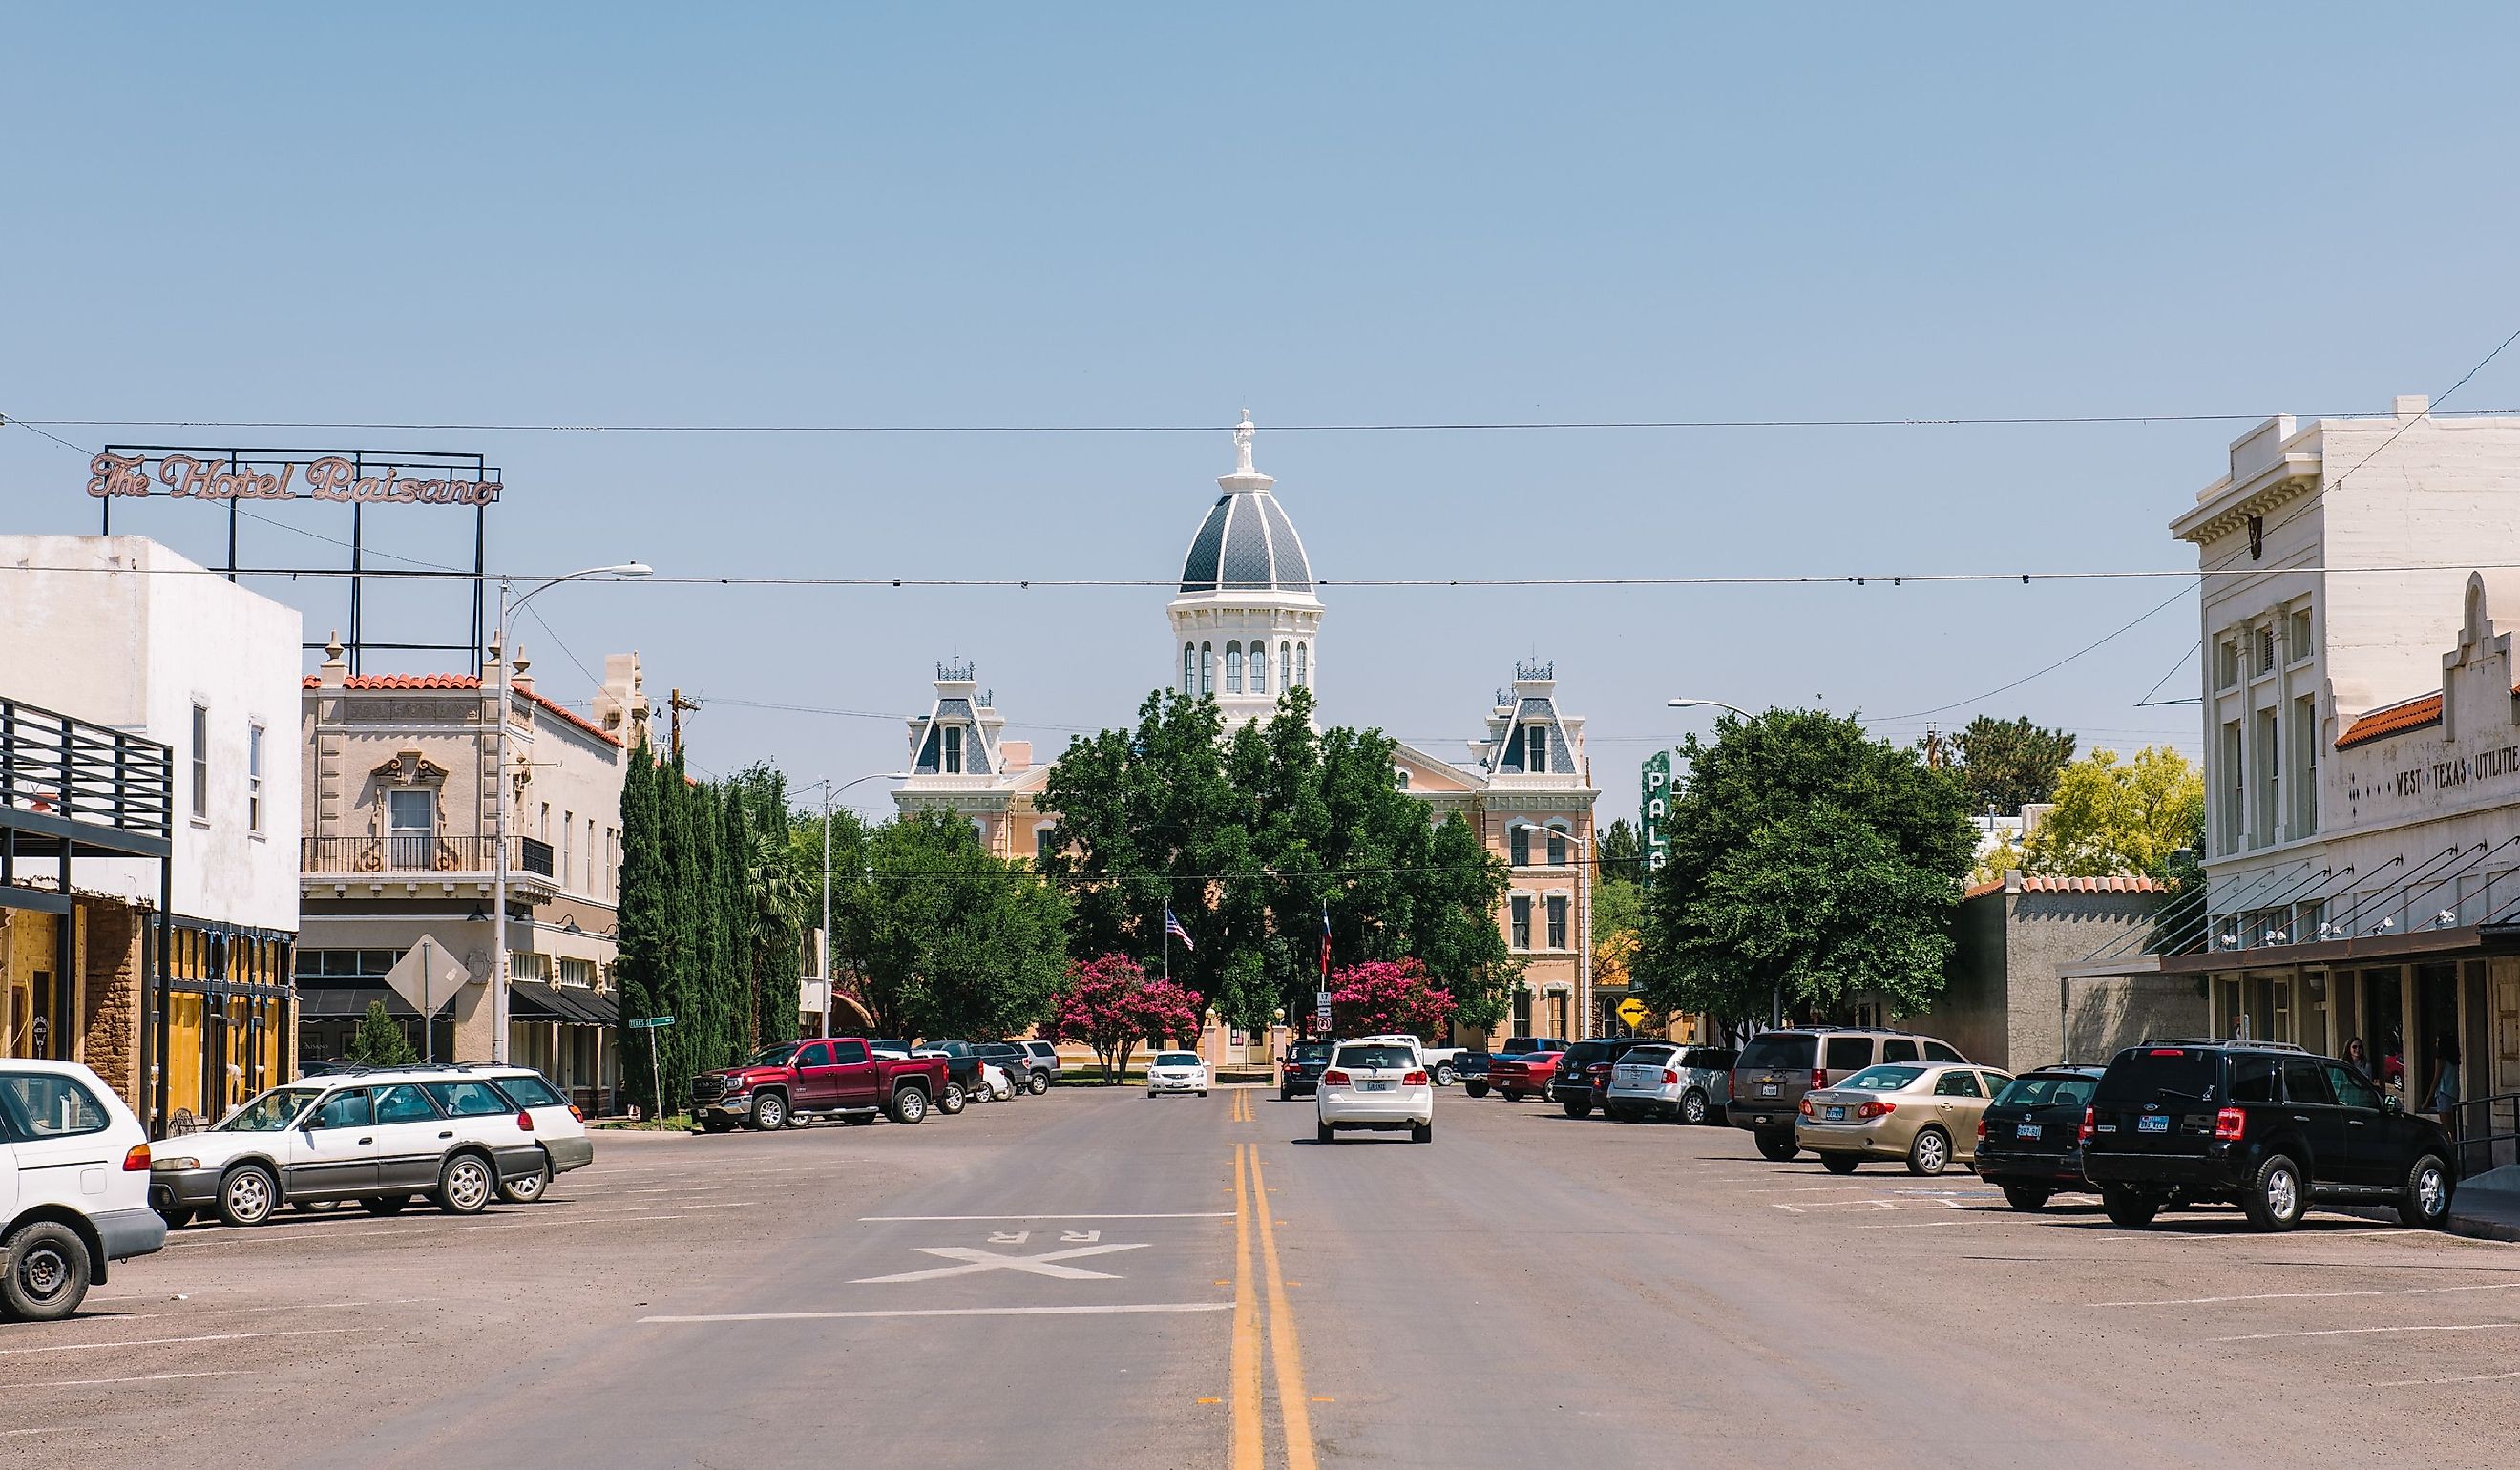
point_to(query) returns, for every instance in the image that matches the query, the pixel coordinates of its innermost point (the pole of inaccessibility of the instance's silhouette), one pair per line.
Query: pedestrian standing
(2444, 1090)
(2360, 1059)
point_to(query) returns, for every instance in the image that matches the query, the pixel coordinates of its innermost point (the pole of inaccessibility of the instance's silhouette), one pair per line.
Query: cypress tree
(639, 969)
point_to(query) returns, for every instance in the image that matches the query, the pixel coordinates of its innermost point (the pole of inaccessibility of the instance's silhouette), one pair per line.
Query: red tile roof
(461, 682)
(2035, 882)
(2395, 718)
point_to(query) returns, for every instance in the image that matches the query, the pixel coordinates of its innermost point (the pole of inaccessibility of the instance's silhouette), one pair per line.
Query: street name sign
(652, 1023)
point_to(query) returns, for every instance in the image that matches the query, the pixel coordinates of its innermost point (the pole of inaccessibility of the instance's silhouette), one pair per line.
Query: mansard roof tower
(1247, 621)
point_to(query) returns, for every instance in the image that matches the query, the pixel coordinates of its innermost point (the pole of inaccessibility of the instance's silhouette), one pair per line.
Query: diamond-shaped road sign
(427, 976)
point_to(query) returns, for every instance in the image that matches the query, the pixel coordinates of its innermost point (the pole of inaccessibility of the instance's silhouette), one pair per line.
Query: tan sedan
(1922, 1114)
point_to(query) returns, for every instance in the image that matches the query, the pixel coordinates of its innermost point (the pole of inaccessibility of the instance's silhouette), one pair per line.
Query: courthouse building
(1245, 621)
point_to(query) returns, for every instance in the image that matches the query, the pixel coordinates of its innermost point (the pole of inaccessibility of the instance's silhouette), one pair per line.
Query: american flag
(1173, 927)
(1325, 939)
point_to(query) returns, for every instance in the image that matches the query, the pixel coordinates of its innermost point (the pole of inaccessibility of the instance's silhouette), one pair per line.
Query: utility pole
(677, 704)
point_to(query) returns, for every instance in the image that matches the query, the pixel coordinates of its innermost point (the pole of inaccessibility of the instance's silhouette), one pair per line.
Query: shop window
(1557, 921)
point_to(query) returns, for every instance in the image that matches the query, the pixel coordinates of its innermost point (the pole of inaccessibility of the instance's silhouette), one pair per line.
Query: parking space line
(2288, 1296)
(922, 1219)
(189, 1313)
(2444, 1382)
(1112, 1309)
(1912, 1224)
(164, 1342)
(141, 1379)
(2258, 1337)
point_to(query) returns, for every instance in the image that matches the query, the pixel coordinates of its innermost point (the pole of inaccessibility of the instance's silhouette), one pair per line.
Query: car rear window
(1898, 1049)
(1713, 1058)
(2046, 1091)
(1784, 1050)
(1883, 1078)
(2147, 1072)
(467, 1100)
(1375, 1057)
(1176, 1059)
(49, 1105)
(1583, 1054)
(1308, 1051)
(1848, 1052)
(1647, 1056)
(528, 1089)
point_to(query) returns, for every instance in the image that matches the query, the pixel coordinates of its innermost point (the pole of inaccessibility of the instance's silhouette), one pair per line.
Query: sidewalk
(2486, 1207)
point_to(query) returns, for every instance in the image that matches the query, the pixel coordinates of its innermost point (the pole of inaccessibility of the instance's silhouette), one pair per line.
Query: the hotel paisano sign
(1653, 811)
(231, 475)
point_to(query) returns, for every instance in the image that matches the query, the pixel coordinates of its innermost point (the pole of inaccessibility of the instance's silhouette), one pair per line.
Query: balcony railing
(421, 853)
(51, 765)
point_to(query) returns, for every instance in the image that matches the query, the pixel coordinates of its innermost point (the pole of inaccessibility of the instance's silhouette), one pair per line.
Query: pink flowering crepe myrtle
(1110, 1005)
(1389, 995)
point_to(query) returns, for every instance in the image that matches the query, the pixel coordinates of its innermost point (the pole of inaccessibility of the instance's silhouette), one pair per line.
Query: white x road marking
(975, 1261)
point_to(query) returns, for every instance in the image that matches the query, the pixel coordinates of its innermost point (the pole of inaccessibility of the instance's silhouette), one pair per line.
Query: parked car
(1662, 1080)
(1041, 1058)
(383, 1137)
(1299, 1071)
(2267, 1126)
(1442, 1064)
(1375, 1085)
(74, 1178)
(1582, 1081)
(1921, 1113)
(1525, 1074)
(800, 1082)
(1016, 1062)
(961, 1072)
(2029, 1140)
(1778, 1067)
(1477, 1068)
(1176, 1072)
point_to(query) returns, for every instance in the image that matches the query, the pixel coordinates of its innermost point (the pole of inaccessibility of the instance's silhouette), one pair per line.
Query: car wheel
(386, 1204)
(2425, 1206)
(2279, 1197)
(1578, 1107)
(530, 1189)
(1692, 1107)
(1930, 1153)
(1777, 1148)
(1510, 1094)
(954, 1098)
(44, 1272)
(2128, 1208)
(770, 1112)
(1444, 1074)
(466, 1185)
(1202, 1091)
(248, 1195)
(910, 1104)
(1422, 1133)
(713, 1126)
(1039, 1085)
(859, 1120)
(1839, 1163)
(2025, 1197)
(1475, 1087)
(1285, 1096)
(175, 1216)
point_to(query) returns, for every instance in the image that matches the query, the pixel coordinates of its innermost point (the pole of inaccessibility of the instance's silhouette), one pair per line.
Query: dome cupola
(1246, 618)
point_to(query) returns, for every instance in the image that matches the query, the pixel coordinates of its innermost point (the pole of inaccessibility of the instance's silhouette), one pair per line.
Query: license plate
(1768, 1089)
(1373, 1086)
(2156, 1122)
(1837, 1115)
(2026, 1130)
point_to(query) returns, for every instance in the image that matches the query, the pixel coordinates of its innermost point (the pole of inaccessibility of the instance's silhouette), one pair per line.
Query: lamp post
(499, 978)
(1777, 1016)
(823, 961)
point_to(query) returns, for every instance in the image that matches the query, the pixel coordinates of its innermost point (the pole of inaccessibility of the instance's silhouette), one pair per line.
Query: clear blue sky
(941, 215)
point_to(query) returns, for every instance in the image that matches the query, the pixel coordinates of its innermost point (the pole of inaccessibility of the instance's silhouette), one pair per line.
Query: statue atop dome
(1242, 434)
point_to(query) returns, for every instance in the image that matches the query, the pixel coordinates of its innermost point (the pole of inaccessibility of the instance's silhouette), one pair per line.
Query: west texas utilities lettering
(332, 478)
(2455, 773)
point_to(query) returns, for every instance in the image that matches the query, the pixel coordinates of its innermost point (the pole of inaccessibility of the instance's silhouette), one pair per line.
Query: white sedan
(1378, 1086)
(1176, 1072)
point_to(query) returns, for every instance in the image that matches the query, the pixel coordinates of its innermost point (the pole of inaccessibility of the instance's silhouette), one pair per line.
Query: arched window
(1286, 666)
(1234, 667)
(1207, 668)
(1189, 668)
(1259, 667)
(1303, 657)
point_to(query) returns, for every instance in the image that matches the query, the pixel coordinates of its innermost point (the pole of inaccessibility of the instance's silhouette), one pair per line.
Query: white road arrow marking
(1073, 1237)
(976, 1261)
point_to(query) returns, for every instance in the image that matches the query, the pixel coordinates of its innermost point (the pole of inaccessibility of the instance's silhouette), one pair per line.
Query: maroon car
(797, 1082)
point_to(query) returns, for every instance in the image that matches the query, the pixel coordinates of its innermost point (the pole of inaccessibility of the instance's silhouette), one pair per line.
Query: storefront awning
(532, 1001)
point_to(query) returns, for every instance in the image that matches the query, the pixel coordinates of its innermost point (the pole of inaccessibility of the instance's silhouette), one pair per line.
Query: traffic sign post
(1320, 1012)
(656, 1069)
(1632, 1010)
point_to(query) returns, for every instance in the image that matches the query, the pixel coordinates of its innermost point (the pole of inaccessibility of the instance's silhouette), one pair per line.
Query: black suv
(2268, 1125)
(2029, 1137)
(1299, 1072)
(1581, 1082)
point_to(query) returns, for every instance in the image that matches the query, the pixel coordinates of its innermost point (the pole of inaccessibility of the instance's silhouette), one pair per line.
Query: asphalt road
(1098, 1279)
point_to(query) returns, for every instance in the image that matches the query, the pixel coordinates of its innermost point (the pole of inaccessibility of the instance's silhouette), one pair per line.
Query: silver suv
(1689, 1083)
(1778, 1067)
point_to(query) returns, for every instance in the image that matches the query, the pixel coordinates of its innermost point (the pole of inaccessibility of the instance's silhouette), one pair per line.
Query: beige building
(398, 854)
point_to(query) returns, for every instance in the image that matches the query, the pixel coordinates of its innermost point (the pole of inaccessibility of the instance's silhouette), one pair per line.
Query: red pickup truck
(1525, 1074)
(798, 1081)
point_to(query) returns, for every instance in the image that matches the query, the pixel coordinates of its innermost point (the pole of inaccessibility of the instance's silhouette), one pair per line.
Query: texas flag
(1173, 927)
(1325, 939)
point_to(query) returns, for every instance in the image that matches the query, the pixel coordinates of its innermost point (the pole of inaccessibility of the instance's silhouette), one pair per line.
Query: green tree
(380, 1041)
(1621, 854)
(1810, 866)
(2006, 763)
(2122, 817)
(646, 937)
(947, 940)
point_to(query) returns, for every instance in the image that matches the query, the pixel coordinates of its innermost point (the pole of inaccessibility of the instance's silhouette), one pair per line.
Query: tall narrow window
(1557, 921)
(1189, 668)
(1536, 744)
(2304, 766)
(2235, 792)
(1303, 670)
(1234, 667)
(1518, 845)
(1259, 668)
(1207, 668)
(567, 849)
(410, 822)
(1286, 666)
(201, 763)
(253, 778)
(953, 750)
(1556, 848)
(1044, 846)
(2269, 774)
(1522, 922)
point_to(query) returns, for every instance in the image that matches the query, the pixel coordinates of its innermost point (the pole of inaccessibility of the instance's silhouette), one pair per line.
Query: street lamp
(822, 963)
(1778, 1014)
(499, 977)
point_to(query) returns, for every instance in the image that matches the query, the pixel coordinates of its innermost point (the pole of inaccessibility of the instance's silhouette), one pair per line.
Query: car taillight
(1820, 1077)
(1413, 1079)
(525, 1120)
(137, 1160)
(2165, 1051)
(574, 1113)
(1876, 1109)
(1806, 1107)
(1981, 1130)
(2227, 1125)
(2083, 1135)
(1670, 1079)
(1335, 1078)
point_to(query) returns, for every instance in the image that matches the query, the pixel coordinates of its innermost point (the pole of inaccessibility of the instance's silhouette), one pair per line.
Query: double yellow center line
(1294, 1410)
(1240, 1110)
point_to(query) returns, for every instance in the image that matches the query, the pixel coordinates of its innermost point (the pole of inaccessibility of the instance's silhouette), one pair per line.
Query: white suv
(73, 1187)
(1374, 1085)
(383, 1137)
